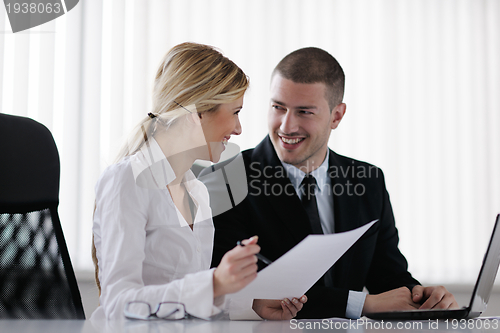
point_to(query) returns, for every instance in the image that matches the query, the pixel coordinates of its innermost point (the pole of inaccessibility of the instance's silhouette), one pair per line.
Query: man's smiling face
(300, 122)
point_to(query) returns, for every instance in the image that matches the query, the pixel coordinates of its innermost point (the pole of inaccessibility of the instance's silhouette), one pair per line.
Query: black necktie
(310, 204)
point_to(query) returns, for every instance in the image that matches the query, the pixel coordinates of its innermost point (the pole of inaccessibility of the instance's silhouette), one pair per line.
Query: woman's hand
(237, 268)
(278, 310)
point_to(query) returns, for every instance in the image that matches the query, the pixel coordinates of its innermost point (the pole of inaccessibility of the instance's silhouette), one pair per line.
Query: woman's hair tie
(152, 116)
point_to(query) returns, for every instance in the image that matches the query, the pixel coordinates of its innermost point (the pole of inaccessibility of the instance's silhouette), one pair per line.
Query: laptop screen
(488, 272)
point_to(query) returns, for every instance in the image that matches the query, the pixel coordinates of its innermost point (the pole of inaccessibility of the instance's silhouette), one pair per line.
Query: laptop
(480, 295)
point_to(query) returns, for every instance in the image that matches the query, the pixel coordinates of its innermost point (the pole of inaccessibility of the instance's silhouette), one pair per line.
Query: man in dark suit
(297, 186)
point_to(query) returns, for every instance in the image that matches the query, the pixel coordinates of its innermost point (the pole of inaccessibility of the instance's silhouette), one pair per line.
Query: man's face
(300, 122)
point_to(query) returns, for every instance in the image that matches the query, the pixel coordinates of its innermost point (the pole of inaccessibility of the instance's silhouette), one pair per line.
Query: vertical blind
(422, 83)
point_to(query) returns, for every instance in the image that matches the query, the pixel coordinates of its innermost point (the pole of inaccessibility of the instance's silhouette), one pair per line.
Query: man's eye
(305, 112)
(278, 107)
(237, 112)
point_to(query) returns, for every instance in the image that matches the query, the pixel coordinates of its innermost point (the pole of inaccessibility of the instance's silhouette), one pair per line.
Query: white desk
(199, 326)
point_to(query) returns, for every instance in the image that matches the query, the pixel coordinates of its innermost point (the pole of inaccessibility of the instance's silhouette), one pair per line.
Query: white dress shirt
(323, 192)
(145, 248)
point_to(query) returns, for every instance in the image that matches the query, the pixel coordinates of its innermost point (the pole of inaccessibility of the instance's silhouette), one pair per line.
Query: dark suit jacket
(273, 211)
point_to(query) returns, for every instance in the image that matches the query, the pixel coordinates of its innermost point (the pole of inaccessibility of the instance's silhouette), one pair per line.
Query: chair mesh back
(32, 276)
(36, 276)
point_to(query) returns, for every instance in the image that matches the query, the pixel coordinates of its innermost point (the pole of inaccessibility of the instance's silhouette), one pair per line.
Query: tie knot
(308, 186)
(309, 180)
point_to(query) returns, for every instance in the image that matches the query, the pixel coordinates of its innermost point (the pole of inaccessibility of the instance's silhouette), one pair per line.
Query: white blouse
(145, 248)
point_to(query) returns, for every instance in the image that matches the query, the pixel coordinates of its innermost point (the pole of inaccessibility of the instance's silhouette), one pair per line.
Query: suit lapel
(346, 203)
(280, 192)
(345, 214)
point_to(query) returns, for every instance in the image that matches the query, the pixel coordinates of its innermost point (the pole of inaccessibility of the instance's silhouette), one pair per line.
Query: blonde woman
(153, 231)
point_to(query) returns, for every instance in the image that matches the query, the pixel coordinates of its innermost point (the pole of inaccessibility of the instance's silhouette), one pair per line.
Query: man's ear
(338, 113)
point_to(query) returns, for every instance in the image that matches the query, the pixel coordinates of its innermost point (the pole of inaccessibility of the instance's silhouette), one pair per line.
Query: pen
(259, 256)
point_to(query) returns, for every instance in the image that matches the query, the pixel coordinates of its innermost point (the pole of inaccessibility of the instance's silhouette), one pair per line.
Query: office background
(422, 94)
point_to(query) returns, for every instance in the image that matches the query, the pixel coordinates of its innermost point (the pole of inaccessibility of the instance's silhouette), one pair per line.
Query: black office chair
(36, 277)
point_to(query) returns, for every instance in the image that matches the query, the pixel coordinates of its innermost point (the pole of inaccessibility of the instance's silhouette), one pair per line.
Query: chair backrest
(37, 280)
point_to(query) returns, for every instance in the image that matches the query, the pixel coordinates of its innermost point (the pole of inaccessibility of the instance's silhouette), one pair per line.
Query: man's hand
(278, 310)
(433, 298)
(392, 300)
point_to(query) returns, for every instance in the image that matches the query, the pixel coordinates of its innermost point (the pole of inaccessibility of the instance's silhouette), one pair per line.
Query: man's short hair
(314, 65)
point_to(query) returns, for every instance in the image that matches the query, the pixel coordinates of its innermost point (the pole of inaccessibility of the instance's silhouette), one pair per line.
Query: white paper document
(297, 270)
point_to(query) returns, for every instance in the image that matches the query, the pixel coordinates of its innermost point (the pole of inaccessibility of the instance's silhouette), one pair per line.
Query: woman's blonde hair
(189, 74)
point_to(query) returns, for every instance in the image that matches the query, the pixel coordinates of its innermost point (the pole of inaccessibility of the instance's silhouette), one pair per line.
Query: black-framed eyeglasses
(140, 310)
